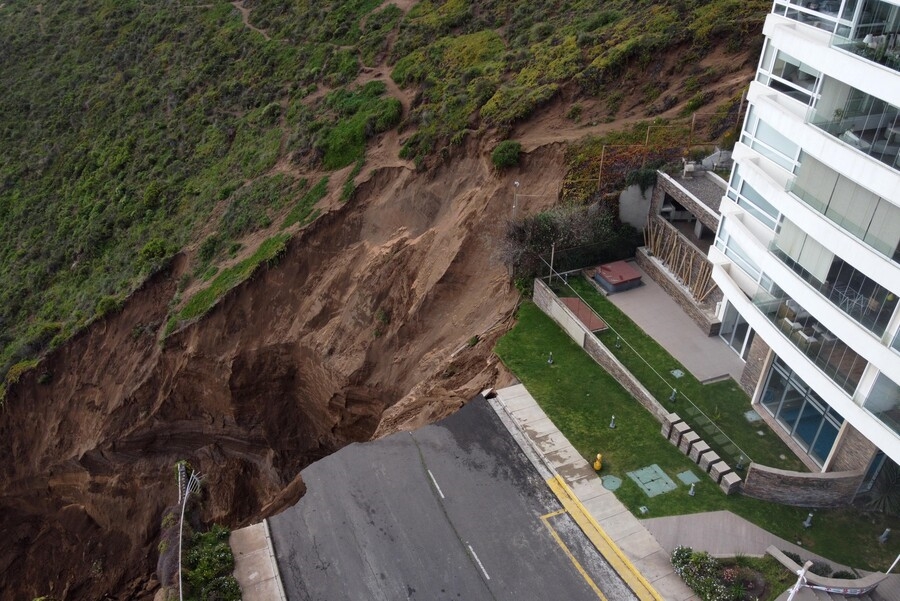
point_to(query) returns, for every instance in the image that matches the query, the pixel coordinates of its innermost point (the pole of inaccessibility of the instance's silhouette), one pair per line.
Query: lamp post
(515, 200)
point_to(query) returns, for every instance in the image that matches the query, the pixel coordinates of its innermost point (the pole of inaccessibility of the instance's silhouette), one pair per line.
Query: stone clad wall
(551, 305)
(598, 351)
(753, 368)
(664, 185)
(679, 293)
(831, 489)
(853, 451)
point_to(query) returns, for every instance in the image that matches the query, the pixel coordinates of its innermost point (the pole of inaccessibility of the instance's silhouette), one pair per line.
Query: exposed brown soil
(359, 331)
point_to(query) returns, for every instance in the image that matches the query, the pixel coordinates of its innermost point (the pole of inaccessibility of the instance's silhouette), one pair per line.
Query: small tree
(506, 154)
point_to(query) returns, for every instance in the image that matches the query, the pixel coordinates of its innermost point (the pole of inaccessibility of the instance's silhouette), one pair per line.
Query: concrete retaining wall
(558, 312)
(703, 317)
(830, 489)
(551, 305)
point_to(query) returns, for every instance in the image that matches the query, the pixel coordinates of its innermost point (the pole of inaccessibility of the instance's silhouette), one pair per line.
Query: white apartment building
(807, 253)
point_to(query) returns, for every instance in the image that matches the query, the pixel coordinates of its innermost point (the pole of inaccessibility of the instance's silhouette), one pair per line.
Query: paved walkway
(646, 544)
(651, 307)
(254, 564)
(626, 536)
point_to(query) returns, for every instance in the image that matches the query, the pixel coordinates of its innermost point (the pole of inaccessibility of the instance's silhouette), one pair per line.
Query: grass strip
(580, 398)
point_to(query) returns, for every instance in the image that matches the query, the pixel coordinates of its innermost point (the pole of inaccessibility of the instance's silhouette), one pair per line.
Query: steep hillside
(147, 151)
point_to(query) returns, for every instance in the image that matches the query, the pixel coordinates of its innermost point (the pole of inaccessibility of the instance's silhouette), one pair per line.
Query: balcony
(861, 213)
(874, 34)
(857, 296)
(831, 15)
(832, 356)
(863, 122)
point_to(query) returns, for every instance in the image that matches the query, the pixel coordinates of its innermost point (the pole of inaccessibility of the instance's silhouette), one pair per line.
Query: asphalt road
(450, 511)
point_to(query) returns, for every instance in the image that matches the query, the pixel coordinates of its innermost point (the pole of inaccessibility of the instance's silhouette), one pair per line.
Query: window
(884, 402)
(784, 73)
(769, 142)
(860, 212)
(806, 418)
(752, 201)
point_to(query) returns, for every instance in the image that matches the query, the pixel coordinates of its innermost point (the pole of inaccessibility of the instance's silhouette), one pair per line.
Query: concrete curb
(270, 547)
(567, 498)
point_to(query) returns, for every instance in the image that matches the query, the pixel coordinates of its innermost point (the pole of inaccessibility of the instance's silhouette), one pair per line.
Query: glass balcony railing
(868, 226)
(829, 15)
(828, 353)
(860, 298)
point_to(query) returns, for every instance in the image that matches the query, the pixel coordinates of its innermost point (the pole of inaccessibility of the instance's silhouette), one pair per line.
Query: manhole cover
(652, 480)
(677, 373)
(688, 477)
(611, 482)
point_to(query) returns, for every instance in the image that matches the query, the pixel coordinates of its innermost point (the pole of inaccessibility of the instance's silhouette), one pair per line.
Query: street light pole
(515, 200)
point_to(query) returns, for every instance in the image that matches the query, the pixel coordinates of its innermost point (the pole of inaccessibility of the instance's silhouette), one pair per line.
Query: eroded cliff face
(358, 331)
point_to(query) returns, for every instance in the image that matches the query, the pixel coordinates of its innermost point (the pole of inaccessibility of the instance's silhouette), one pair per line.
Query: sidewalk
(254, 564)
(629, 546)
(646, 544)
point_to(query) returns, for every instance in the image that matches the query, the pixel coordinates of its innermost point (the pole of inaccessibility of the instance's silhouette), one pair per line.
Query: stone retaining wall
(804, 489)
(704, 320)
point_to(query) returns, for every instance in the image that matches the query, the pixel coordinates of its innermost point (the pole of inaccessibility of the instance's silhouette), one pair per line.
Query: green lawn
(580, 398)
(723, 403)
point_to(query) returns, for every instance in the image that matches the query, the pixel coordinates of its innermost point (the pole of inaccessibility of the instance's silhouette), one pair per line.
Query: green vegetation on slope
(124, 125)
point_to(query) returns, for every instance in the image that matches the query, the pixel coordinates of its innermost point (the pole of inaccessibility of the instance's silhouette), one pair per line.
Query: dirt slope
(360, 330)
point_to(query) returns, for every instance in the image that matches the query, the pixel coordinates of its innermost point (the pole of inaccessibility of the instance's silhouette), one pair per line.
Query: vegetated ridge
(149, 151)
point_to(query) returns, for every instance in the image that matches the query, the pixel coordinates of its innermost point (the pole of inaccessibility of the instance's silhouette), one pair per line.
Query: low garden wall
(830, 489)
(558, 312)
(803, 489)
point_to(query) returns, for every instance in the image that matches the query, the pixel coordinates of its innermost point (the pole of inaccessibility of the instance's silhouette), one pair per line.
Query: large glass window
(884, 402)
(752, 201)
(735, 331)
(874, 34)
(781, 71)
(733, 251)
(860, 120)
(864, 300)
(866, 216)
(826, 351)
(811, 422)
(769, 142)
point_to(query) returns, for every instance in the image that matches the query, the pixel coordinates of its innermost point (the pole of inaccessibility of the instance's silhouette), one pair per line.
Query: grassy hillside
(131, 129)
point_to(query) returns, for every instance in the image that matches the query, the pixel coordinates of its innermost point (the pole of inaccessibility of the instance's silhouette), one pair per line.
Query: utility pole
(515, 200)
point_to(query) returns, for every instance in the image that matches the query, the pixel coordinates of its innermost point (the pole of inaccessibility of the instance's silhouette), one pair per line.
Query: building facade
(807, 253)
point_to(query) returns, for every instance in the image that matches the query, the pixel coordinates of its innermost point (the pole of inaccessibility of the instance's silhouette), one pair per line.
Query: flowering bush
(701, 572)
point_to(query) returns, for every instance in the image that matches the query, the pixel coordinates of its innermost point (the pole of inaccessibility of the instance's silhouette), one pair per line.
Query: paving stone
(687, 440)
(697, 449)
(707, 459)
(730, 483)
(668, 421)
(717, 470)
(677, 431)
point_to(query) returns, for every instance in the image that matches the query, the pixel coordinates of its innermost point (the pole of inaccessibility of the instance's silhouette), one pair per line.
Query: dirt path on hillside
(359, 330)
(245, 18)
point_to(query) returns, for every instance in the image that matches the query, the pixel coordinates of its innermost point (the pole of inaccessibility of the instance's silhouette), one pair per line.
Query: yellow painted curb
(605, 545)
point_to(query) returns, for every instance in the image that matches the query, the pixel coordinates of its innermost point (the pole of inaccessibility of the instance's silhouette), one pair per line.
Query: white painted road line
(436, 485)
(478, 561)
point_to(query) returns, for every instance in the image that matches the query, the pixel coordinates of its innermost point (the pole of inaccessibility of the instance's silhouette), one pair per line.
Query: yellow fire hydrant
(598, 463)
